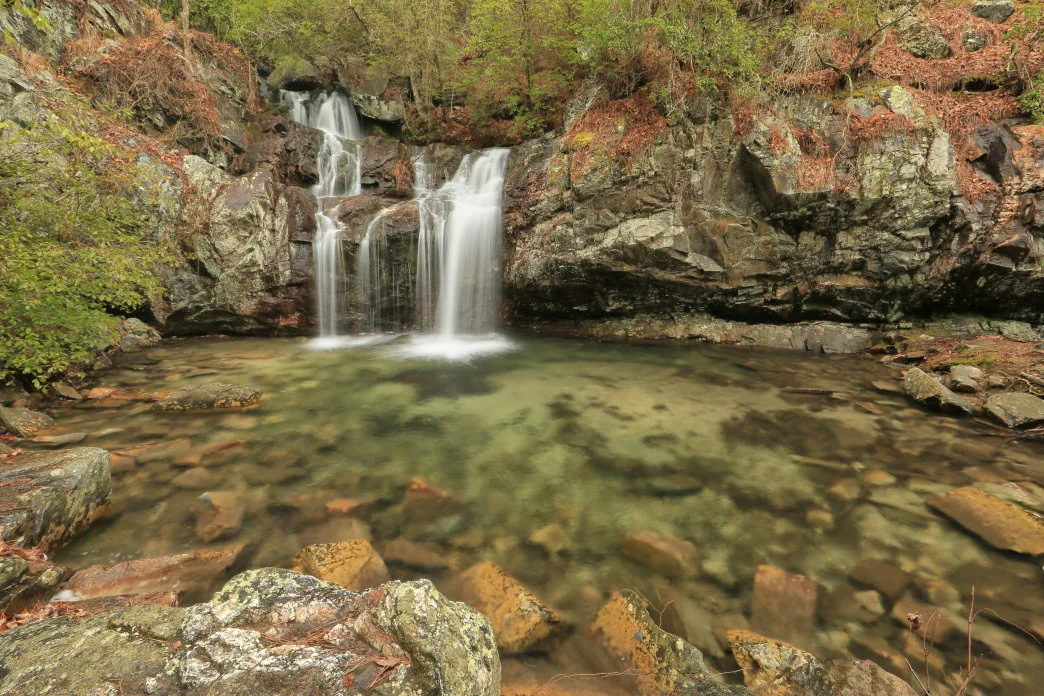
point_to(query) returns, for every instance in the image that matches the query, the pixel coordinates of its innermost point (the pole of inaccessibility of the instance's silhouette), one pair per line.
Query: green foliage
(73, 246)
(28, 11)
(1032, 99)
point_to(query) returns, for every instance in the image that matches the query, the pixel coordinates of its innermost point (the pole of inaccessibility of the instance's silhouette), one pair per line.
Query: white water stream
(339, 164)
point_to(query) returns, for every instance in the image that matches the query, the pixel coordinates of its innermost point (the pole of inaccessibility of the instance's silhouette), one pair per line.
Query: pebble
(847, 490)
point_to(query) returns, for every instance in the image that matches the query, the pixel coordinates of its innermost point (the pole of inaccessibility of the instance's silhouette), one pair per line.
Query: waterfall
(339, 163)
(369, 272)
(459, 256)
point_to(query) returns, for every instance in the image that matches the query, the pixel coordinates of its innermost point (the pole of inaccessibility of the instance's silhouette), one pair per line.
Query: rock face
(23, 422)
(663, 664)
(209, 396)
(722, 217)
(1016, 410)
(928, 390)
(268, 632)
(1000, 523)
(354, 564)
(775, 668)
(522, 622)
(48, 498)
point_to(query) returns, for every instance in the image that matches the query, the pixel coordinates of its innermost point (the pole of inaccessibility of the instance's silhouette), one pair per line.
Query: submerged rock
(1016, 409)
(48, 498)
(521, 621)
(662, 664)
(1000, 523)
(181, 572)
(669, 556)
(209, 396)
(784, 604)
(268, 632)
(218, 514)
(775, 668)
(23, 422)
(928, 390)
(354, 564)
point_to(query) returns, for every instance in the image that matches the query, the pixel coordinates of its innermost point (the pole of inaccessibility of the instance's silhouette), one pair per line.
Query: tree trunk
(185, 30)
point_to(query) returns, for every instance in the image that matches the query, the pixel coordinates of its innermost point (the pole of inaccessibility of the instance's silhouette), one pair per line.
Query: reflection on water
(561, 449)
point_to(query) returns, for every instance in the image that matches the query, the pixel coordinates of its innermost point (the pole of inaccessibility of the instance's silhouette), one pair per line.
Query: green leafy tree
(73, 246)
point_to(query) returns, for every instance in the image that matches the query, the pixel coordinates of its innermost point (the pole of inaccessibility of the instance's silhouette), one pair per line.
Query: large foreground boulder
(47, 498)
(268, 632)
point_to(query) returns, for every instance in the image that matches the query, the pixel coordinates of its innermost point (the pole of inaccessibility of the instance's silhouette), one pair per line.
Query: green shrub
(1032, 100)
(74, 246)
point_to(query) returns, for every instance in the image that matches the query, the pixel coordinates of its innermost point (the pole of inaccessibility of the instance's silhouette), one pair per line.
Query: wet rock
(196, 478)
(219, 514)
(996, 11)
(774, 668)
(1001, 524)
(47, 498)
(268, 632)
(662, 664)
(60, 440)
(521, 621)
(209, 396)
(928, 390)
(882, 576)
(67, 392)
(411, 554)
(871, 601)
(25, 581)
(1016, 410)
(425, 503)
(887, 386)
(552, 539)
(100, 392)
(346, 506)
(669, 556)
(354, 565)
(23, 422)
(183, 572)
(965, 378)
(784, 604)
(840, 606)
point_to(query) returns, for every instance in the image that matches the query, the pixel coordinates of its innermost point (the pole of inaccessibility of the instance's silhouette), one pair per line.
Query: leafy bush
(1032, 99)
(74, 245)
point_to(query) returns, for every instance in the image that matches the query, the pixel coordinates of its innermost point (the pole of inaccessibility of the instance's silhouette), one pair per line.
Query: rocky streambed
(677, 520)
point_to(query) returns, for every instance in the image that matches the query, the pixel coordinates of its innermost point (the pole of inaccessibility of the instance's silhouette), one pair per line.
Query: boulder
(295, 74)
(666, 555)
(661, 664)
(775, 668)
(921, 40)
(219, 514)
(26, 579)
(268, 632)
(996, 11)
(965, 378)
(998, 522)
(521, 621)
(183, 572)
(784, 604)
(209, 396)
(928, 390)
(47, 498)
(1016, 409)
(67, 391)
(354, 565)
(23, 422)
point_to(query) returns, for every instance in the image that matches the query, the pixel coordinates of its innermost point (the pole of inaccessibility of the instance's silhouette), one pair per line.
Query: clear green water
(590, 442)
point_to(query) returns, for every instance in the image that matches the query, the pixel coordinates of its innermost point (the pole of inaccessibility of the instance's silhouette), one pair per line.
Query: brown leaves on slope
(620, 129)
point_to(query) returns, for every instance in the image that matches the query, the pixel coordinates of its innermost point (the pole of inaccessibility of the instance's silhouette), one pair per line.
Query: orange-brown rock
(666, 555)
(346, 506)
(177, 573)
(784, 604)
(424, 502)
(661, 664)
(414, 555)
(521, 622)
(354, 564)
(218, 514)
(998, 522)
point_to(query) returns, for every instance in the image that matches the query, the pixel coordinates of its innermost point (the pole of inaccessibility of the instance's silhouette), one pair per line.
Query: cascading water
(339, 163)
(458, 258)
(369, 272)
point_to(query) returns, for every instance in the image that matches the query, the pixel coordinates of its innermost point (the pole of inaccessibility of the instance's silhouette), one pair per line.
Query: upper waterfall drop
(339, 163)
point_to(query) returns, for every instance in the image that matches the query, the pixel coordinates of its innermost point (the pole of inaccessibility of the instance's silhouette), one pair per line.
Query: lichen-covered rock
(48, 498)
(662, 664)
(1016, 409)
(213, 395)
(774, 668)
(24, 422)
(929, 390)
(24, 581)
(521, 621)
(922, 40)
(996, 11)
(354, 564)
(268, 632)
